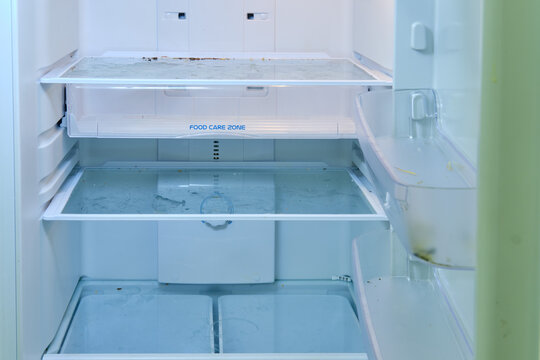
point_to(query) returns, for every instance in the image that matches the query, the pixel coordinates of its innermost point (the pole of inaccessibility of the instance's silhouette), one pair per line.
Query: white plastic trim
(358, 356)
(359, 289)
(53, 182)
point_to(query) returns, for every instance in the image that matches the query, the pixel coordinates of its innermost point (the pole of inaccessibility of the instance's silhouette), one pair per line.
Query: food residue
(182, 58)
(406, 171)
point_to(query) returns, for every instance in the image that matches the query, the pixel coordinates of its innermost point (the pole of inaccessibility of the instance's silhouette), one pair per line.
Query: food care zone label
(210, 128)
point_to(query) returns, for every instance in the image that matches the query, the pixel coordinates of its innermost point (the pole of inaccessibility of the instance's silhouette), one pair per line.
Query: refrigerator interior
(309, 270)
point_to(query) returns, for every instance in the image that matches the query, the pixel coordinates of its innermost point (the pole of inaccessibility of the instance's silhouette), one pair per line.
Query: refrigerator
(240, 179)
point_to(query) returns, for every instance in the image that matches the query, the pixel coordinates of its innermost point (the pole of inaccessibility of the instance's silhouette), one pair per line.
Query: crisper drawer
(216, 194)
(288, 324)
(160, 111)
(140, 320)
(286, 320)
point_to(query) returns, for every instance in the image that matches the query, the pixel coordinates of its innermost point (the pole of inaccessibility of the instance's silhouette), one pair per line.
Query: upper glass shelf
(186, 70)
(234, 192)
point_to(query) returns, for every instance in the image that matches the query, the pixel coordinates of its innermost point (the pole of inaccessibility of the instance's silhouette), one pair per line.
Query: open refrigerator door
(418, 147)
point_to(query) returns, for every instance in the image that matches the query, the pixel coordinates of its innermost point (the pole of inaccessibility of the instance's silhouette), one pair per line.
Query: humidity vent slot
(215, 149)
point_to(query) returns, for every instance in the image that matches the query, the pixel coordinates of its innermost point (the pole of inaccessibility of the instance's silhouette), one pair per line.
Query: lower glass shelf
(147, 320)
(221, 192)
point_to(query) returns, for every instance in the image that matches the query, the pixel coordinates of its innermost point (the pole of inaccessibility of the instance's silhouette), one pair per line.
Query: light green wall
(509, 183)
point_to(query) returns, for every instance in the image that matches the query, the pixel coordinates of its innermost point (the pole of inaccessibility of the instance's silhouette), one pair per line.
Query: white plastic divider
(55, 210)
(215, 69)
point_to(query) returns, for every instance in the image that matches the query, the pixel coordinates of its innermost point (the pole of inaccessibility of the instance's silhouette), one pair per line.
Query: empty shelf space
(221, 192)
(148, 320)
(278, 69)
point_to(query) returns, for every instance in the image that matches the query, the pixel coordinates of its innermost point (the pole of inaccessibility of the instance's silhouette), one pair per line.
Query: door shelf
(426, 183)
(222, 69)
(293, 320)
(217, 192)
(406, 308)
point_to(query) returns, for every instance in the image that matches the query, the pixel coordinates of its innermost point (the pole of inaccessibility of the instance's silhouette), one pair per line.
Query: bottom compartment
(149, 320)
(140, 320)
(288, 324)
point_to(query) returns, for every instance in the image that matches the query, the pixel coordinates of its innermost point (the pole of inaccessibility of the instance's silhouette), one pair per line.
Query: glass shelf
(229, 191)
(279, 69)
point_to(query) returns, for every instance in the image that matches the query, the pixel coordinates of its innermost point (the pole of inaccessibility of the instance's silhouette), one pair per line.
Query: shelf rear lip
(274, 356)
(217, 217)
(170, 82)
(54, 210)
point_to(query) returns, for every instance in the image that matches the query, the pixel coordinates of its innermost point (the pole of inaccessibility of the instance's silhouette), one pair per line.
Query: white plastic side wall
(457, 73)
(374, 31)
(8, 306)
(414, 63)
(48, 256)
(304, 250)
(444, 53)
(457, 70)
